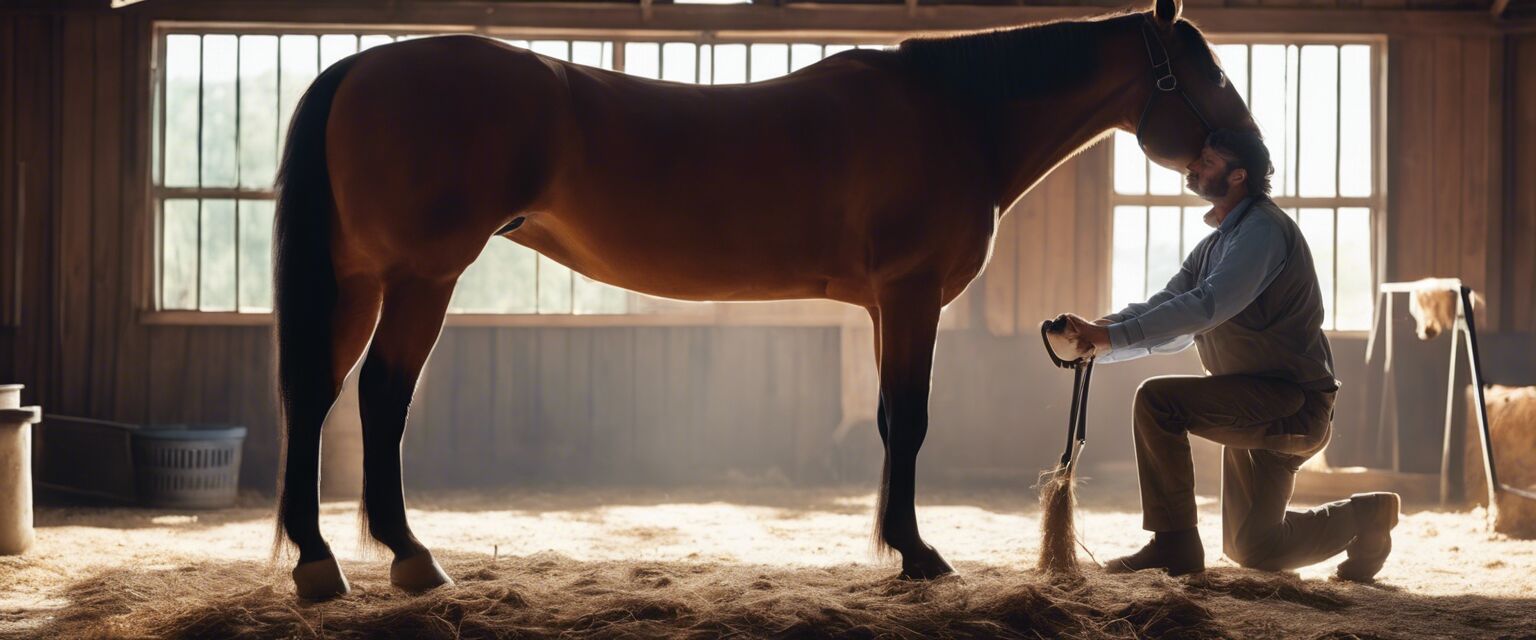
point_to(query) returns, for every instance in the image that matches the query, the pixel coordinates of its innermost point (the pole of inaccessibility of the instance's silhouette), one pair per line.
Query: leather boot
(1375, 516)
(1179, 552)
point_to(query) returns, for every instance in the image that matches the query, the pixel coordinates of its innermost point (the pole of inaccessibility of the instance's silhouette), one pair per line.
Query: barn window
(223, 101)
(1315, 102)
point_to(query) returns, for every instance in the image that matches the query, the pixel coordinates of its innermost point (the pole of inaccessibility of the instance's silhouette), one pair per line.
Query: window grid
(190, 200)
(1140, 194)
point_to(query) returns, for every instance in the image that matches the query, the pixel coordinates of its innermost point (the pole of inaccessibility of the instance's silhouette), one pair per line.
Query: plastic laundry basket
(188, 466)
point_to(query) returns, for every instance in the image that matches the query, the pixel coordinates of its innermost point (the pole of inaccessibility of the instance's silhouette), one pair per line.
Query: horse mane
(1196, 45)
(1029, 60)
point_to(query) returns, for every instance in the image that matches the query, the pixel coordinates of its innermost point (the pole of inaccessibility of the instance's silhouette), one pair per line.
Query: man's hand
(1091, 336)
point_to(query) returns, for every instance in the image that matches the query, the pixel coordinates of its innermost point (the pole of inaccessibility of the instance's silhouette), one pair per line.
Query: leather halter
(1163, 79)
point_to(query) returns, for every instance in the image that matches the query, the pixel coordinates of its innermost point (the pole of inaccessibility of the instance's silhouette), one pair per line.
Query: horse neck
(1040, 133)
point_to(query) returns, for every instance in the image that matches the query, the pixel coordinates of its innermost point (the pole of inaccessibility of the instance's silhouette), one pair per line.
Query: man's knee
(1157, 405)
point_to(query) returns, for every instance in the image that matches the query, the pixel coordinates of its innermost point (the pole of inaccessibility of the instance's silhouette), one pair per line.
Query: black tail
(304, 290)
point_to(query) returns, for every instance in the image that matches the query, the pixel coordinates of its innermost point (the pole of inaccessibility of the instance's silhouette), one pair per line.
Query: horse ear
(1167, 11)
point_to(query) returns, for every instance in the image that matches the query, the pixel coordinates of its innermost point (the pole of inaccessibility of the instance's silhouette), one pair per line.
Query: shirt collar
(1234, 215)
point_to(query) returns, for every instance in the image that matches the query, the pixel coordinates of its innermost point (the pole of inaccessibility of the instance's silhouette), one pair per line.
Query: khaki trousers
(1268, 428)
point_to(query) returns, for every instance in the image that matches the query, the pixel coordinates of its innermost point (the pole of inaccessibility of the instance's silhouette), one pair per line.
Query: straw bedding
(746, 566)
(549, 595)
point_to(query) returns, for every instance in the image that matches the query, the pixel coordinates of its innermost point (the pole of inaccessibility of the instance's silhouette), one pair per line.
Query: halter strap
(1162, 75)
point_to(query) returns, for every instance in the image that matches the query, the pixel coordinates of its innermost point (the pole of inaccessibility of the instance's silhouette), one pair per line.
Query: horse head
(1188, 95)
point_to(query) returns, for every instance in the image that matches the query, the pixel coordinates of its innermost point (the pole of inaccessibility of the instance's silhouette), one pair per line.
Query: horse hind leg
(317, 575)
(409, 325)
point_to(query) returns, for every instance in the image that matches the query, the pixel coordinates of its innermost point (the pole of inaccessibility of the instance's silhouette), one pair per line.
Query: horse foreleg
(408, 328)
(908, 327)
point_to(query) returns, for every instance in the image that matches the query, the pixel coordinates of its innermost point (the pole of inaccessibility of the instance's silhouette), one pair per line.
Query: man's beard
(1216, 188)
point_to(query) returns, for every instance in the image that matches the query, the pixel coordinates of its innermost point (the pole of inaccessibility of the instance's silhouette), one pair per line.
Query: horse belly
(678, 257)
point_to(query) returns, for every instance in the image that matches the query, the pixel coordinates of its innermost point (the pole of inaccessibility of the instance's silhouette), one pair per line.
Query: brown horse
(875, 178)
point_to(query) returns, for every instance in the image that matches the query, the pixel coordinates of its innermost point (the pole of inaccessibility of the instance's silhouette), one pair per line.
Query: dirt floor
(735, 561)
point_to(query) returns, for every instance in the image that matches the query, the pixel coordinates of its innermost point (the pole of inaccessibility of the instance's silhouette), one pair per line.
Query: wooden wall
(1518, 232)
(1051, 252)
(693, 404)
(1445, 145)
(628, 405)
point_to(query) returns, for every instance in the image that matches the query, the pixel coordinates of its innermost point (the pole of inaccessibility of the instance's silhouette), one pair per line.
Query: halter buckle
(1168, 82)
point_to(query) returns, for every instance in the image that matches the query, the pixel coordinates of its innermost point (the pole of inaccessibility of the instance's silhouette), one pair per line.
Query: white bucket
(16, 534)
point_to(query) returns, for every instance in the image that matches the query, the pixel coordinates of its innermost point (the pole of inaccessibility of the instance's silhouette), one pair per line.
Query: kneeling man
(1248, 298)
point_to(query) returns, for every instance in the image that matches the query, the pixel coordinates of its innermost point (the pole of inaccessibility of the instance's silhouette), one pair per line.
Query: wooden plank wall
(1445, 148)
(625, 405)
(1051, 251)
(30, 129)
(1519, 237)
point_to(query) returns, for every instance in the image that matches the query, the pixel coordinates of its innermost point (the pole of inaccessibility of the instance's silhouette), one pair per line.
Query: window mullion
(158, 292)
(238, 41)
(202, 67)
(1338, 170)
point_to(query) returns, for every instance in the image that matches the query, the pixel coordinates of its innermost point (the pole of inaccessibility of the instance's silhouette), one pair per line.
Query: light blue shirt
(1246, 253)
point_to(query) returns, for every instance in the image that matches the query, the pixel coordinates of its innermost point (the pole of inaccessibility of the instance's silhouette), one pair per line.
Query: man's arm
(1163, 347)
(1252, 258)
(1182, 281)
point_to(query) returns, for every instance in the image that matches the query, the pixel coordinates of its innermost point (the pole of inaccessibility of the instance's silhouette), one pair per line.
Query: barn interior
(590, 461)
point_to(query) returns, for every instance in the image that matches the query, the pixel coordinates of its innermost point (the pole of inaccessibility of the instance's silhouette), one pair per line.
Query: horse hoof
(320, 580)
(925, 565)
(418, 573)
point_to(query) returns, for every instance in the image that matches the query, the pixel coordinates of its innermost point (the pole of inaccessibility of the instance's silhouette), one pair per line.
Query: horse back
(787, 183)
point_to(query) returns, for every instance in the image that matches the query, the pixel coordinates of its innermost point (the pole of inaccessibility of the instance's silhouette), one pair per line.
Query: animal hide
(1512, 424)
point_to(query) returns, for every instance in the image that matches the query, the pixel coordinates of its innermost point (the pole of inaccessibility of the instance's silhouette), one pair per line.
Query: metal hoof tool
(1053, 334)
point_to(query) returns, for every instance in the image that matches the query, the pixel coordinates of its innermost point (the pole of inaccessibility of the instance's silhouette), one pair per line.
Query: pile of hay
(779, 563)
(548, 595)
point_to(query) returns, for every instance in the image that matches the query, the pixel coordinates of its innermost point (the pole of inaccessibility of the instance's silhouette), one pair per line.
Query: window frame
(1377, 202)
(806, 313)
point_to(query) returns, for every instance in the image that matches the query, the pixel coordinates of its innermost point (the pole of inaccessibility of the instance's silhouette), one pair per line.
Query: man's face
(1208, 175)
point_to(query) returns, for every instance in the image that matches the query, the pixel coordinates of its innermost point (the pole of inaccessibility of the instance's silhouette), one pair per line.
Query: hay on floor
(769, 563)
(548, 595)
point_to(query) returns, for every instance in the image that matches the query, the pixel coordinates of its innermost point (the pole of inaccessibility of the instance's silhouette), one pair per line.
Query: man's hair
(1245, 150)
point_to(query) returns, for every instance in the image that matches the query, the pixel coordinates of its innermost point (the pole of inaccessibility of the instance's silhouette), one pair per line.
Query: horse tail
(304, 289)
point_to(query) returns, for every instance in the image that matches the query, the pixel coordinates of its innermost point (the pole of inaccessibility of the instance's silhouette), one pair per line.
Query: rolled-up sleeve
(1250, 260)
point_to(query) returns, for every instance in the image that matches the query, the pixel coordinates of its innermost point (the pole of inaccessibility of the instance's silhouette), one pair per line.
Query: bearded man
(1248, 298)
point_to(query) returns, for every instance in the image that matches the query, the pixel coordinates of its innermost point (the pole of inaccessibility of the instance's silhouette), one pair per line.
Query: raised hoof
(418, 573)
(320, 580)
(924, 565)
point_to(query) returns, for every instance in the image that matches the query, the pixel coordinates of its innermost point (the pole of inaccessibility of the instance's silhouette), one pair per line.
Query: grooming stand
(1466, 328)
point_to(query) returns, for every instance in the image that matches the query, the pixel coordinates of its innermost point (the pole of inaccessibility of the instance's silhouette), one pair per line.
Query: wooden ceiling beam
(907, 17)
